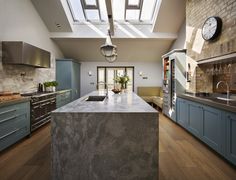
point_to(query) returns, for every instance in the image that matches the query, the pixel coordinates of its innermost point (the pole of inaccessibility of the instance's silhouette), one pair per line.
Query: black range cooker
(41, 106)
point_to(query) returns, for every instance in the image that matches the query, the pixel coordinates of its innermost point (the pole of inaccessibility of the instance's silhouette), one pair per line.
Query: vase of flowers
(122, 80)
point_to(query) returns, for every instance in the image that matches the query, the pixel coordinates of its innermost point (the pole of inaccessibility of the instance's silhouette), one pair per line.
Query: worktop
(211, 101)
(113, 139)
(14, 101)
(124, 102)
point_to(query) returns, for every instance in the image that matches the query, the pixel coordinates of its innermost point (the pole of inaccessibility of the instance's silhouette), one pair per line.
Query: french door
(106, 76)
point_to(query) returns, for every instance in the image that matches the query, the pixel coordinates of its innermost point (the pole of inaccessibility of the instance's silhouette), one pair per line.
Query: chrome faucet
(106, 87)
(227, 85)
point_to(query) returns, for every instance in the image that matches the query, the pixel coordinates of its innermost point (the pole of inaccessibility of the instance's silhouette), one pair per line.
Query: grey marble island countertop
(113, 139)
(124, 102)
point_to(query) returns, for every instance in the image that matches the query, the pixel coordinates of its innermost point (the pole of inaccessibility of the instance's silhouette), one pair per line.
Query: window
(123, 10)
(106, 76)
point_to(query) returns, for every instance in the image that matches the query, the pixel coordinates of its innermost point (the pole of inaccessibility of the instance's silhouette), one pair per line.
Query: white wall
(180, 42)
(19, 21)
(152, 70)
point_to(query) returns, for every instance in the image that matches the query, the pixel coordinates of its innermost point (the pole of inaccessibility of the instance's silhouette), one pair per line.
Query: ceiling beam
(110, 16)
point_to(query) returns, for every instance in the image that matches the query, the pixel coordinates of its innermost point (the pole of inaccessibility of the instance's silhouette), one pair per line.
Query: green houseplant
(50, 85)
(122, 80)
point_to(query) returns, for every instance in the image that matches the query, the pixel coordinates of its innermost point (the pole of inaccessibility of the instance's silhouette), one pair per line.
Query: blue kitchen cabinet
(230, 119)
(182, 112)
(14, 123)
(68, 76)
(195, 119)
(215, 127)
(63, 98)
(212, 128)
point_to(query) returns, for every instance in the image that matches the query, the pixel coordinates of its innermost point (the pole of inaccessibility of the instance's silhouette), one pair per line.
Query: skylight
(123, 10)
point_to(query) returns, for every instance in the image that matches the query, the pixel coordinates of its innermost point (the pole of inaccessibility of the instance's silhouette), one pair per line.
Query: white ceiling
(87, 49)
(170, 16)
(74, 42)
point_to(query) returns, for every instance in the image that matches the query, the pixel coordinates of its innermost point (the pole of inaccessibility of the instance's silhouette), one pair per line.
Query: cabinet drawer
(13, 137)
(12, 122)
(13, 110)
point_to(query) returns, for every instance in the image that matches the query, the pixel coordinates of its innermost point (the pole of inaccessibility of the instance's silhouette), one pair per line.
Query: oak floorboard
(181, 156)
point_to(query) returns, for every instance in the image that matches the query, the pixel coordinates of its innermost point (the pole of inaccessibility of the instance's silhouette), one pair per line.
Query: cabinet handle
(4, 112)
(7, 119)
(10, 133)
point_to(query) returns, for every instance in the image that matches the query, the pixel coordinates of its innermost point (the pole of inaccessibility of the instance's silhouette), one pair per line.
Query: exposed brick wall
(197, 11)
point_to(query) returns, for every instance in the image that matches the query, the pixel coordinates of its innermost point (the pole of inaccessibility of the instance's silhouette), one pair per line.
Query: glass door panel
(130, 72)
(110, 72)
(101, 78)
(106, 75)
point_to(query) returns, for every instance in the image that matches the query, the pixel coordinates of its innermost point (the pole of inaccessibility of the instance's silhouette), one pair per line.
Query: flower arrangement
(122, 80)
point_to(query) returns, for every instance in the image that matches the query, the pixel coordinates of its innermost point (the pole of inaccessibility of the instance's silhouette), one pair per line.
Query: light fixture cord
(109, 33)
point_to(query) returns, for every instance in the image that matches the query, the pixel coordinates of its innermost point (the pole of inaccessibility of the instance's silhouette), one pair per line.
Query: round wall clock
(211, 28)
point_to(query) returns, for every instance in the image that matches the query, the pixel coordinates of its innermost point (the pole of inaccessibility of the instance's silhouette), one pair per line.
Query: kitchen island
(116, 138)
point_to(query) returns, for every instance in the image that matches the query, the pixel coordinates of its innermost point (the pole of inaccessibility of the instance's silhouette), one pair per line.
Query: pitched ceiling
(135, 43)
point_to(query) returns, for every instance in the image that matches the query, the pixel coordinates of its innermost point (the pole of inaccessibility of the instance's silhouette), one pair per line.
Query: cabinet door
(212, 128)
(231, 137)
(195, 119)
(75, 75)
(63, 74)
(182, 112)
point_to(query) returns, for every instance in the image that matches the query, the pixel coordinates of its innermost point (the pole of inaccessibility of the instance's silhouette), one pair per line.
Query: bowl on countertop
(116, 91)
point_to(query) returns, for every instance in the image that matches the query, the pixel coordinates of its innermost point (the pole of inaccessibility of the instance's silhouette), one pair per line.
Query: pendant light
(108, 50)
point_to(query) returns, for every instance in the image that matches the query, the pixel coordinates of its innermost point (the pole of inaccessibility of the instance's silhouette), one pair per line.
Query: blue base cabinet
(231, 137)
(63, 98)
(212, 131)
(195, 119)
(182, 112)
(215, 127)
(14, 123)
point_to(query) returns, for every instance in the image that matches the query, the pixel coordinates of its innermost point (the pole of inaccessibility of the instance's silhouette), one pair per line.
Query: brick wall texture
(197, 11)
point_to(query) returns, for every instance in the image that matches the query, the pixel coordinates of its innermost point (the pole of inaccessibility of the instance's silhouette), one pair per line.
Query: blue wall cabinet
(14, 123)
(231, 137)
(195, 119)
(212, 132)
(68, 76)
(182, 112)
(63, 98)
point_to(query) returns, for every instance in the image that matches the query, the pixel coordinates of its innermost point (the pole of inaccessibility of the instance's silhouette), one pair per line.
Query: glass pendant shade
(108, 50)
(111, 58)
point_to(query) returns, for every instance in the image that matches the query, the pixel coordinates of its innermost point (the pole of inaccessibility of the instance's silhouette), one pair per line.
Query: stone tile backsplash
(11, 78)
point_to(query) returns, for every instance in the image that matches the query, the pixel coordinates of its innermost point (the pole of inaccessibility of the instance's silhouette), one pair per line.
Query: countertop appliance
(41, 106)
(18, 52)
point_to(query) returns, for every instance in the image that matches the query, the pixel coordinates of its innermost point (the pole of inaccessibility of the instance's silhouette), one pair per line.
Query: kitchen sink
(225, 99)
(95, 98)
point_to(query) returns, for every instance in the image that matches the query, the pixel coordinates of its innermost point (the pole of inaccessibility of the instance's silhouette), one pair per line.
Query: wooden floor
(181, 156)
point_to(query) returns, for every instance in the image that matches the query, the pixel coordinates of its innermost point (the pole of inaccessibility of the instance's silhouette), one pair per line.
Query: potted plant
(50, 86)
(122, 80)
(54, 84)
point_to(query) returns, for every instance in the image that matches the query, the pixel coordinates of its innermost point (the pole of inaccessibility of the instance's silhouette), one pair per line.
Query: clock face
(211, 28)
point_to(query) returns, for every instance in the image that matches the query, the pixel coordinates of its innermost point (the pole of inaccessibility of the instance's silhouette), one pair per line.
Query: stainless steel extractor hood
(18, 52)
